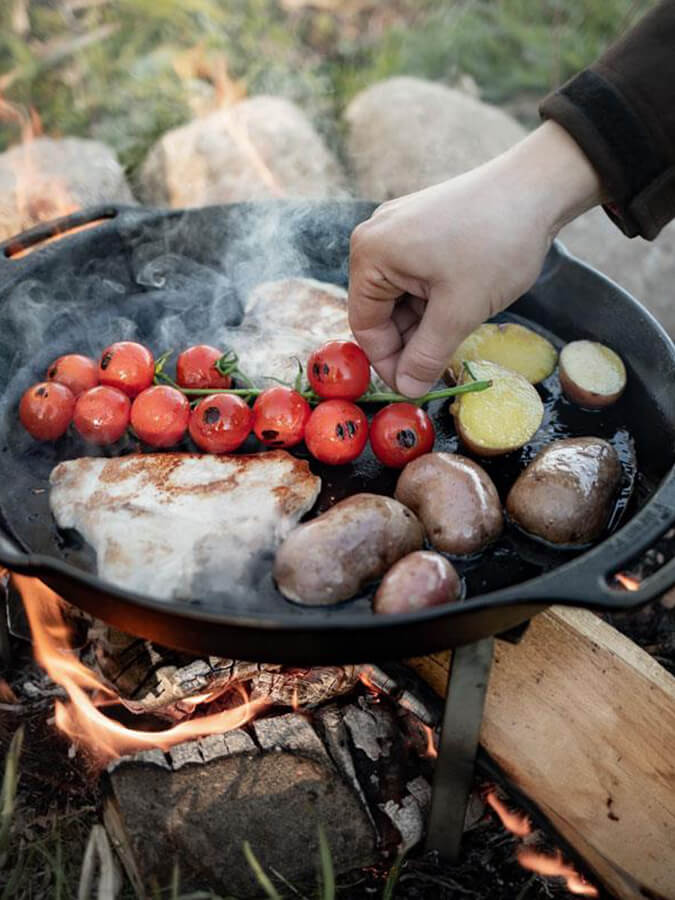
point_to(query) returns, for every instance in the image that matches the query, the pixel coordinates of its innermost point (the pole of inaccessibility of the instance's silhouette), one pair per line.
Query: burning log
(201, 800)
(583, 722)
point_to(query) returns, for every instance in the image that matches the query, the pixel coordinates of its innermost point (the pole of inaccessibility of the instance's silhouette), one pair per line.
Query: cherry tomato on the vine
(46, 410)
(196, 368)
(401, 432)
(339, 370)
(102, 414)
(160, 415)
(220, 423)
(127, 366)
(280, 417)
(78, 373)
(337, 432)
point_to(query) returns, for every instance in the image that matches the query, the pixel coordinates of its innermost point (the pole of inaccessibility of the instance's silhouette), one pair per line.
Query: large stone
(47, 178)
(645, 268)
(405, 134)
(258, 148)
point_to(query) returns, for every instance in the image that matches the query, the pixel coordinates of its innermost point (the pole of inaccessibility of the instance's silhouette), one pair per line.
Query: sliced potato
(500, 419)
(511, 346)
(591, 374)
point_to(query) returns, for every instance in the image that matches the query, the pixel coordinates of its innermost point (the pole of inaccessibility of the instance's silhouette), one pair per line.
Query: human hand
(428, 268)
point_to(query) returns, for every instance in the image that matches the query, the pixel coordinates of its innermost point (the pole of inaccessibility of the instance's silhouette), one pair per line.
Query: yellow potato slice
(500, 419)
(591, 374)
(510, 345)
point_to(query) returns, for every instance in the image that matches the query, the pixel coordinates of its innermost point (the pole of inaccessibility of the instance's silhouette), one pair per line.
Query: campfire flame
(627, 582)
(550, 866)
(81, 718)
(431, 752)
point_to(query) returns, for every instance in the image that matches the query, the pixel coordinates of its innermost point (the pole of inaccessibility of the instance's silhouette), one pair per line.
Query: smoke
(167, 280)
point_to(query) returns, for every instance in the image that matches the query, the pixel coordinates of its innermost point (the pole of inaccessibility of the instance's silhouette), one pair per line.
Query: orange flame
(81, 719)
(541, 863)
(38, 196)
(628, 582)
(555, 867)
(516, 823)
(364, 677)
(431, 752)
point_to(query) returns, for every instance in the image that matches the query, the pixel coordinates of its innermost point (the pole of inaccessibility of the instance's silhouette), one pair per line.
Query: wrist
(556, 175)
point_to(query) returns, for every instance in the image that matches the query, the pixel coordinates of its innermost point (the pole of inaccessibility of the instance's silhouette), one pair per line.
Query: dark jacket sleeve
(621, 112)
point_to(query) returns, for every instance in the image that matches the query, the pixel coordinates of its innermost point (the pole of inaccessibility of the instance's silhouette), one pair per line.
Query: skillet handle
(46, 231)
(585, 581)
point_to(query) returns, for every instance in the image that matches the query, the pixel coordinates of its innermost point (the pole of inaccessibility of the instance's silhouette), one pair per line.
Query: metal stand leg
(454, 772)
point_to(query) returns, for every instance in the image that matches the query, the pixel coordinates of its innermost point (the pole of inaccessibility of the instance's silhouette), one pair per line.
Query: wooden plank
(583, 722)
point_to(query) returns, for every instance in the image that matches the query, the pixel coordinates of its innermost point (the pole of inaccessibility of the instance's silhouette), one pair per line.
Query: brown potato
(500, 419)
(591, 375)
(455, 499)
(509, 345)
(417, 581)
(565, 495)
(331, 558)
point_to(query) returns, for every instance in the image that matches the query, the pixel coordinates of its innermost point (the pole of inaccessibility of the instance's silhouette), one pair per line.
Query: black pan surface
(157, 276)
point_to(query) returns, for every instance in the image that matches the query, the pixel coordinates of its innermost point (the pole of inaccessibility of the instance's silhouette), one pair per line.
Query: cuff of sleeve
(620, 148)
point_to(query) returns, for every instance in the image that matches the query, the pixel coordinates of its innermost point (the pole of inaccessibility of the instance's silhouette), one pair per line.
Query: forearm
(621, 112)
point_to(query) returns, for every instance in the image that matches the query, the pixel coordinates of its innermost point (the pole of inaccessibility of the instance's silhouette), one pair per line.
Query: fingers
(426, 354)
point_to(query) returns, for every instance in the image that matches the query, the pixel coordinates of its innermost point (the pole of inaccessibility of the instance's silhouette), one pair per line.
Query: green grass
(124, 88)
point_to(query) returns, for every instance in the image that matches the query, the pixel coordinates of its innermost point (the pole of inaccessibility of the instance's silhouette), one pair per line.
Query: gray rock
(405, 134)
(644, 268)
(49, 177)
(260, 147)
(200, 816)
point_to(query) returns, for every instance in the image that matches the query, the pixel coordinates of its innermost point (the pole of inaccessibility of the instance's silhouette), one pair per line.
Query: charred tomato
(46, 410)
(78, 373)
(102, 414)
(401, 432)
(196, 368)
(160, 415)
(220, 423)
(339, 370)
(127, 366)
(280, 417)
(337, 432)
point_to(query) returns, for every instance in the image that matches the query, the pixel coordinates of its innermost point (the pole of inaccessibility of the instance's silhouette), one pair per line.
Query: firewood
(583, 722)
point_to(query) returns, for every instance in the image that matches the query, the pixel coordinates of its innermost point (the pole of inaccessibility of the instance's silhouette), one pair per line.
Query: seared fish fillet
(286, 320)
(184, 525)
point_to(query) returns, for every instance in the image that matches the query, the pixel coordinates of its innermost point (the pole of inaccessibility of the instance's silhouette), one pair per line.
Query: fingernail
(411, 387)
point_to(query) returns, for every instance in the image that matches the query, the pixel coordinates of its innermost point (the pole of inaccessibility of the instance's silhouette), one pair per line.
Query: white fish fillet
(184, 525)
(284, 321)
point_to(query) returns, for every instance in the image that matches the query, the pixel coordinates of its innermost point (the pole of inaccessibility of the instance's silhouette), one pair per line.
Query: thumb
(426, 355)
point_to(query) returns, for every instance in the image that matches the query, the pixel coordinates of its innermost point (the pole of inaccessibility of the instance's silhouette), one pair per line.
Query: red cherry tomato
(79, 373)
(46, 410)
(280, 416)
(220, 423)
(196, 368)
(401, 432)
(337, 432)
(102, 414)
(160, 415)
(339, 370)
(127, 366)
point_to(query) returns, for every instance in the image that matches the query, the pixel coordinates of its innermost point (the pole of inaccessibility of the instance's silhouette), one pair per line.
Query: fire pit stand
(460, 731)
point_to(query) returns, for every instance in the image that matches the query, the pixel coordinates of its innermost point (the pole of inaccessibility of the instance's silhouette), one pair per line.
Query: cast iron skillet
(136, 266)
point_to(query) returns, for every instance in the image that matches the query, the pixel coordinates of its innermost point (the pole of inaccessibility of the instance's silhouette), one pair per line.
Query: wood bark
(583, 722)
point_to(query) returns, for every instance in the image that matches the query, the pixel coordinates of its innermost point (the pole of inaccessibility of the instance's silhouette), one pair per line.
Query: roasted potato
(455, 500)
(331, 558)
(510, 346)
(565, 495)
(591, 375)
(500, 419)
(417, 581)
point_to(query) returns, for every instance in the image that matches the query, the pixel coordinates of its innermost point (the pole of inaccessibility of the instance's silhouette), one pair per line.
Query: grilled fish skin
(184, 525)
